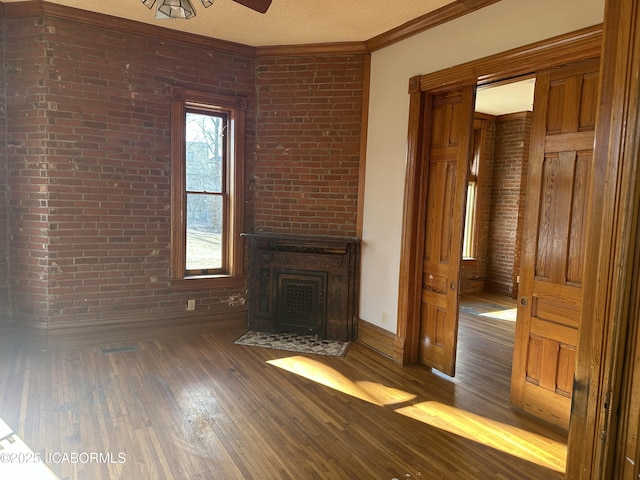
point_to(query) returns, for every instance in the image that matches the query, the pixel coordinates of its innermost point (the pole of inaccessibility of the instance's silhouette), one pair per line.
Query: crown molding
(22, 9)
(338, 48)
(35, 8)
(430, 20)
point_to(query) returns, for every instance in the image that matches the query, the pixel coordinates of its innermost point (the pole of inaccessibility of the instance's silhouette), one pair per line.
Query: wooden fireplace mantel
(304, 284)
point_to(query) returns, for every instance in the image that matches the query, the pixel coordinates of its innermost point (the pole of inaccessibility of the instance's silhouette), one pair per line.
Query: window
(207, 142)
(470, 239)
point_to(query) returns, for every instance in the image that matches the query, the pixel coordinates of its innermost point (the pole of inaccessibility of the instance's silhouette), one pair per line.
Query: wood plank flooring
(201, 407)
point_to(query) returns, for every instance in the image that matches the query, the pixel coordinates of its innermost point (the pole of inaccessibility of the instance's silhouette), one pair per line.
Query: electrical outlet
(383, 317)
(191, 304)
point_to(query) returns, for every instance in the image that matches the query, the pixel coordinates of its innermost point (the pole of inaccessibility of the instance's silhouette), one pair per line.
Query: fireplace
(304, 284)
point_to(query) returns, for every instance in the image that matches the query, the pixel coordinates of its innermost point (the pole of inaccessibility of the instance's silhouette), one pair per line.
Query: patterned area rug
(294, 343)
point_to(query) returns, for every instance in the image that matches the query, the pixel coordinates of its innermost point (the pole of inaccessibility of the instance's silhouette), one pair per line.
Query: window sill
(207, 282)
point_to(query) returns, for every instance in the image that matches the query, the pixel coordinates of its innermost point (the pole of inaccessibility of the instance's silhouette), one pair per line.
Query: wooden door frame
(575, 46)
(599, 433)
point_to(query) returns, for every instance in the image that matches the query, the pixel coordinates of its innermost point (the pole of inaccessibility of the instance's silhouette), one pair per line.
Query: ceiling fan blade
(258, 5)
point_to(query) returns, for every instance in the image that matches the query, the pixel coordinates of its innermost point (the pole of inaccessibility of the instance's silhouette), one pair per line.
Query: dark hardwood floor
(201, 407)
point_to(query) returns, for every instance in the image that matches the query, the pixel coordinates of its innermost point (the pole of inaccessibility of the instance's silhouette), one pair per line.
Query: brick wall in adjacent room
(5, 305)
(305, 176)
(89, 167)
(507, 202)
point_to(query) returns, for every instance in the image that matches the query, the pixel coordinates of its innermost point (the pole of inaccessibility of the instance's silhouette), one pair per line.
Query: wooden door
(450, 125)
(551, 276)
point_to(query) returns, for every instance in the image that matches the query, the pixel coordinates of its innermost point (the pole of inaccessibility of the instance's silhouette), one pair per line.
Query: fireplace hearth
(304, 284)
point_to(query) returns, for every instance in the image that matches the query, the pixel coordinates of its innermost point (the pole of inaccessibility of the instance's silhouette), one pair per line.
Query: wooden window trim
(479, 139)
(234, 108)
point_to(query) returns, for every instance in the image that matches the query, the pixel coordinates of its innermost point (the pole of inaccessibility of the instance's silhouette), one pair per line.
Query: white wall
(504, 25)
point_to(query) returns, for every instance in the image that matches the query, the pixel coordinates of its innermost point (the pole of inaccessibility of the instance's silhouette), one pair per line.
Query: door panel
(551, 274)
(451, 122)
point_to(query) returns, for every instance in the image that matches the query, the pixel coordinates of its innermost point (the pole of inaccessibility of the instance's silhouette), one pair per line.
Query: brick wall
(4, 267)
(89, 172)
(27, 167)
(305, 176)
(507, 202)
(89, 167)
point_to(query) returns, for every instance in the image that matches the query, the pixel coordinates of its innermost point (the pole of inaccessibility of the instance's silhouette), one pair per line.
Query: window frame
(223, 193)
(183, 99)
(471, 232)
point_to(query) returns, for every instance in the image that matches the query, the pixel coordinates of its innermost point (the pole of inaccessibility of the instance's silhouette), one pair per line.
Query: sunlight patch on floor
(371, 392)
(507, 314)
(505, 438)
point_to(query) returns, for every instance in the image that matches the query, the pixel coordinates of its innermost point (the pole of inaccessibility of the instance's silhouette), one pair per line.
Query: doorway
(494, 212)
(496, 188)
(461, 146)
(553, 232)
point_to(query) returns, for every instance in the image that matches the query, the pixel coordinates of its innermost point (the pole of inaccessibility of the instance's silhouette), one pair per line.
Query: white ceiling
(287, 22)
(503, 99)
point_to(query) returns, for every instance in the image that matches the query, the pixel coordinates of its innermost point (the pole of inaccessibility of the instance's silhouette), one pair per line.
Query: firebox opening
(301, 302)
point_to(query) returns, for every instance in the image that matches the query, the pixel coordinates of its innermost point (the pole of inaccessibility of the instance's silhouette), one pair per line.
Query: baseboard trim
(378, 339)
(500, 288)
(58, 335)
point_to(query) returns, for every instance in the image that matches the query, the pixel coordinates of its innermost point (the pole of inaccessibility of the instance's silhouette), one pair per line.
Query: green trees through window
(205, 190)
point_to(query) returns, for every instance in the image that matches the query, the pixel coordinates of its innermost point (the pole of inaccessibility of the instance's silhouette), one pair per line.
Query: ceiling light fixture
(184, 8)
(174, 8)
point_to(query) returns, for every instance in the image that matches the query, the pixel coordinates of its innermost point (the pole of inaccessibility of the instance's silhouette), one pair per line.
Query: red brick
(88, 162)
